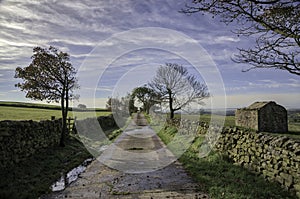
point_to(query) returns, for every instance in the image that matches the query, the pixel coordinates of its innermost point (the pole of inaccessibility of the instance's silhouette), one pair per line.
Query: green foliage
(167, 134)
(115, 134)
(147, 96)
(109, 104)
(121, 106)
(51, 77)
(82, 106)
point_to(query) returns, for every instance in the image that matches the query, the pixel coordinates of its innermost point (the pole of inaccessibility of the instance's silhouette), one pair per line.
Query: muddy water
(71, 176)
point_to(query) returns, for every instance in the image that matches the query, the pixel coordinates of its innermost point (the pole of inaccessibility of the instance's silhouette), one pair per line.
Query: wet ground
(137, 165)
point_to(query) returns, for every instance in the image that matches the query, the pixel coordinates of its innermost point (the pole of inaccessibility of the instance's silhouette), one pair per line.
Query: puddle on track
(70, 177)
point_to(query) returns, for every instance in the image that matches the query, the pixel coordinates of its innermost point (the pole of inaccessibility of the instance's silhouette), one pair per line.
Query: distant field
(32, 111)
(229, 120)
(293, 125)
(36, 112)
(28, 105)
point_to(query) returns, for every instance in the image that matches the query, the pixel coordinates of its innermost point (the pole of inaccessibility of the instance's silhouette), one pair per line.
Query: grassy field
(293, 124)
(29, 105)
(37, 112)
(218, 177)
(28, 111)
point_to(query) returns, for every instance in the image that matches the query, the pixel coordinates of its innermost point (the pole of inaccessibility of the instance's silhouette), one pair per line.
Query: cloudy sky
(117, 45)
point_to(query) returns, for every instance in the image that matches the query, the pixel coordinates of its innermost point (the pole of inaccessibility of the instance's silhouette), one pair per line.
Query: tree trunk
(67, 108)
(171, 105)
(64, 122)
(172, 114)
(147, 107)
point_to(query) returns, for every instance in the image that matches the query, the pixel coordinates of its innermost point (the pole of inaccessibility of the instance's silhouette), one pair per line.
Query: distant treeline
(45, 106)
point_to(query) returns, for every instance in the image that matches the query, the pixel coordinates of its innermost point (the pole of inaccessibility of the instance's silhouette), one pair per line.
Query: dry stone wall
(90, 127)
(277, 158)
(21, 139)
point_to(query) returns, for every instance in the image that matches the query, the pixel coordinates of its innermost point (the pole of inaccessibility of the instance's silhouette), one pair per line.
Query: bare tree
(177, 87)
(50, 77)
(275, 23)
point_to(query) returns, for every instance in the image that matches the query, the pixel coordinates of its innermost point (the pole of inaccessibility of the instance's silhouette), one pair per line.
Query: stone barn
(263, 116)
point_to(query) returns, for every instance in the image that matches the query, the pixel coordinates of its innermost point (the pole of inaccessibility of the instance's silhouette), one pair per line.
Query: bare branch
(276, 23)
(177, 87)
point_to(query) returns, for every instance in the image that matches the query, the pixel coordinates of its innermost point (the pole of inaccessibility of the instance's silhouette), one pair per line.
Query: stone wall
(247, 118)
(95, 132)
(21, 139)
(90, 127)
(277, 158)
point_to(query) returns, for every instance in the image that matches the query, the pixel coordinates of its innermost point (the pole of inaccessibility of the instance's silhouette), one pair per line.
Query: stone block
(288, 179)
(4, 132)
(247, 159)
(297, 187)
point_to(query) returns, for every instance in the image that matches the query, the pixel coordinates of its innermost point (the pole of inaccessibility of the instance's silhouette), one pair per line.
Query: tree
(108, 104)
(177, 87)
(121, 108)
(51, 77)
(123, 105)
(275, 23)
(82, 106)
(147, 96)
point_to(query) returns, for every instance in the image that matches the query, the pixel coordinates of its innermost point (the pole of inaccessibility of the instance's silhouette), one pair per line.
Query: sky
(118, 45)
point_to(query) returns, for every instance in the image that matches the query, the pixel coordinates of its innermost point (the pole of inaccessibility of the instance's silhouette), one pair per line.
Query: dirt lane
(136, 165)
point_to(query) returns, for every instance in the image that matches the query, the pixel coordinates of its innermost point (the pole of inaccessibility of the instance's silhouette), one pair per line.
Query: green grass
(33, 177)
(229, 120)
(16, 113)
(294, 126)
(37, 114)
(206, 118)
(83, 115)
(218, 177)
(28, 105)
(43, 106)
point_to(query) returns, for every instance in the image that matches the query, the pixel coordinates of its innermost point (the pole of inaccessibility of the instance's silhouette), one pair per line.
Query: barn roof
(259, 105)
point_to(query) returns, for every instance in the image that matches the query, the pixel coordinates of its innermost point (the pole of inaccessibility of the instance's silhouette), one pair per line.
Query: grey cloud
(78, 26)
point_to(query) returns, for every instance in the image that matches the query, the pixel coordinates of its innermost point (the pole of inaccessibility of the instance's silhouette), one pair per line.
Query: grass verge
(218, 177)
